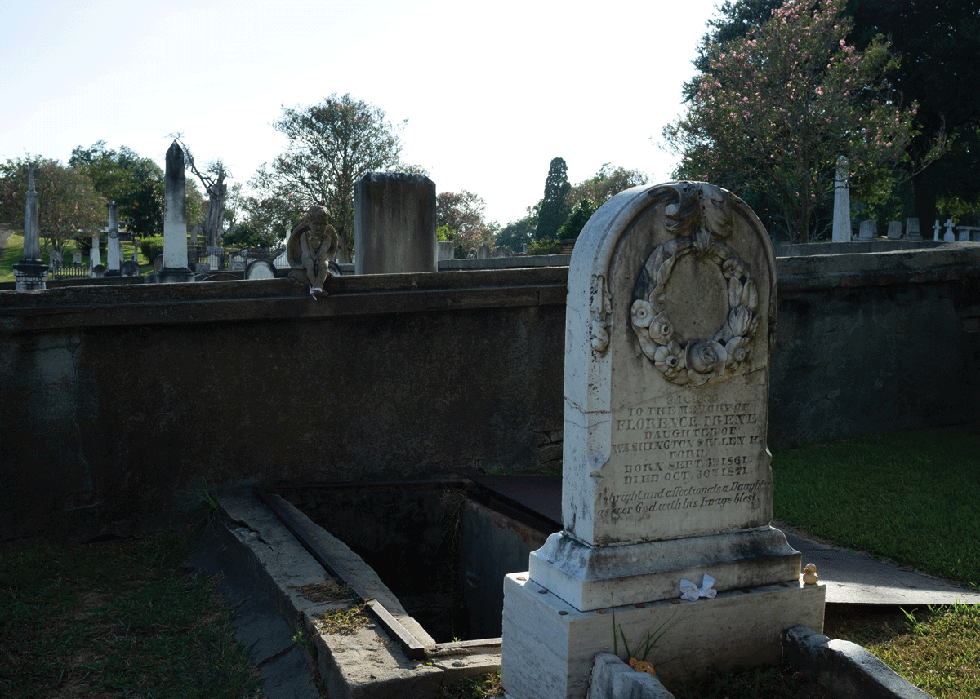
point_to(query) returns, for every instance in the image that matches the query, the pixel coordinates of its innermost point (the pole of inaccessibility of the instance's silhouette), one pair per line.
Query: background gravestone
(260, 269)
(394, 224)
(894, 230)
(129, 268)
(868, 230)
(446, 250)
(670, 320)
(912, 231)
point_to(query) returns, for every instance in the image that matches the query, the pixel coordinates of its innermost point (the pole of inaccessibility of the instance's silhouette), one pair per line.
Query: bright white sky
(492, 91)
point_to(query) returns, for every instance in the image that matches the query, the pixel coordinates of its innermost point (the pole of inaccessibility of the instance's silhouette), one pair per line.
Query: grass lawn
(118, 618)
(911, 498)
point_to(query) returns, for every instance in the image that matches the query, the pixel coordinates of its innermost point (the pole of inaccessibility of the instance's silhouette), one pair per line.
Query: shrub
(545, 246)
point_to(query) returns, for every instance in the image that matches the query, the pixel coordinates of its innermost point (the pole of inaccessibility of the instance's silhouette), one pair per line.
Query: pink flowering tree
(777, 107)
(331, 146)
(462, 213)
(68, 205)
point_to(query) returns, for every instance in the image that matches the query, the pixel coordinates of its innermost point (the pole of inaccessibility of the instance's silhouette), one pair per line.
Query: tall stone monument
(113, 249)
(669, 324)
(394, 224)
(842, 204)
(175, 267)
(31, 273)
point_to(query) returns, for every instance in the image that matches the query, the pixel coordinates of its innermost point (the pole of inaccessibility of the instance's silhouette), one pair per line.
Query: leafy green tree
(778, 107)
(605, 184)
(245, 235)
(554, 207)
(939, 70)
(331, 146)
(516, 234)
(135, 183)
(462, 214)
(68, 204)
(577, 219)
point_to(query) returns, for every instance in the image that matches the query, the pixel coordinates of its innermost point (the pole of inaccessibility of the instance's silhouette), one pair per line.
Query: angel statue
(311, 247)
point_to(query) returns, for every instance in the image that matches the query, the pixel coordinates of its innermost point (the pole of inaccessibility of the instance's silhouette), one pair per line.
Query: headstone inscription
(670, 320)
(76, 257)
(30, 272)
(894, 230)
(446, 250)
(175, 267)
(841, 232)
(394, 224)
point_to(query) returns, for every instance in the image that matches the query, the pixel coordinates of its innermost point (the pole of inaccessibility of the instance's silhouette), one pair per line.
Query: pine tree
(554, 209)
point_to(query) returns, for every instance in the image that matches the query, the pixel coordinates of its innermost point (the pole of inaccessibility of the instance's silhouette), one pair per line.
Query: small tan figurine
(810, 574)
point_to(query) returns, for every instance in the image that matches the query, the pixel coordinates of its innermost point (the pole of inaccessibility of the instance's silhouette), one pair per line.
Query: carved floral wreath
(700, 360)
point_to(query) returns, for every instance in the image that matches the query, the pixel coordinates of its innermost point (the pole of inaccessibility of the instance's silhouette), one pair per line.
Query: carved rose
(668, 359)
(641, 313)
(706, 360)
(661, 331)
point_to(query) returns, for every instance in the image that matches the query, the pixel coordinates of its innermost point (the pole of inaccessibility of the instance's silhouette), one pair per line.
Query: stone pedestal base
(590, 577)
(169, 275)
(31, 275)
(549, 646)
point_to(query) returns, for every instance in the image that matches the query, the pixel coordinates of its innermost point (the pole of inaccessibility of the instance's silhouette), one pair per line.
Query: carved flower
(738, 351)
(668, 359)
(750, 297)
(661, 331)
(706, 360)
(738, 321)
(702, 242)
(641, 313)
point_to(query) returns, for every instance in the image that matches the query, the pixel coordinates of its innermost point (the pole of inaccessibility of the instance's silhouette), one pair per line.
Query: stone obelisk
(31, 272)
(174, 221)
(842, 204)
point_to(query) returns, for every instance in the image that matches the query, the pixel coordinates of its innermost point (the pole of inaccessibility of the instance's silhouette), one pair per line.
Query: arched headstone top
(671, 311)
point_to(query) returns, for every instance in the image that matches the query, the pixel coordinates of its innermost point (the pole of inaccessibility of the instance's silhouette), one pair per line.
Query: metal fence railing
(235, 259)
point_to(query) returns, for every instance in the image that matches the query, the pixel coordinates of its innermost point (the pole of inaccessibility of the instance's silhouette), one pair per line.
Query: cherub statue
(312, 245)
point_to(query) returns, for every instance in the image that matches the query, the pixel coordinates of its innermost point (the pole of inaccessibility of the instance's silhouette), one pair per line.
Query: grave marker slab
(894, 230)
(670, 320)
(912, 231)
(394, 224)
(868, 230)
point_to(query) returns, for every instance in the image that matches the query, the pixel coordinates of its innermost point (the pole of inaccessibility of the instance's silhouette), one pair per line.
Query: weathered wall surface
(119, 400)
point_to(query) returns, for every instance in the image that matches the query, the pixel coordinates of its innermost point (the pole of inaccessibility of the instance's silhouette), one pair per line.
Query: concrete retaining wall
(120, 401)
